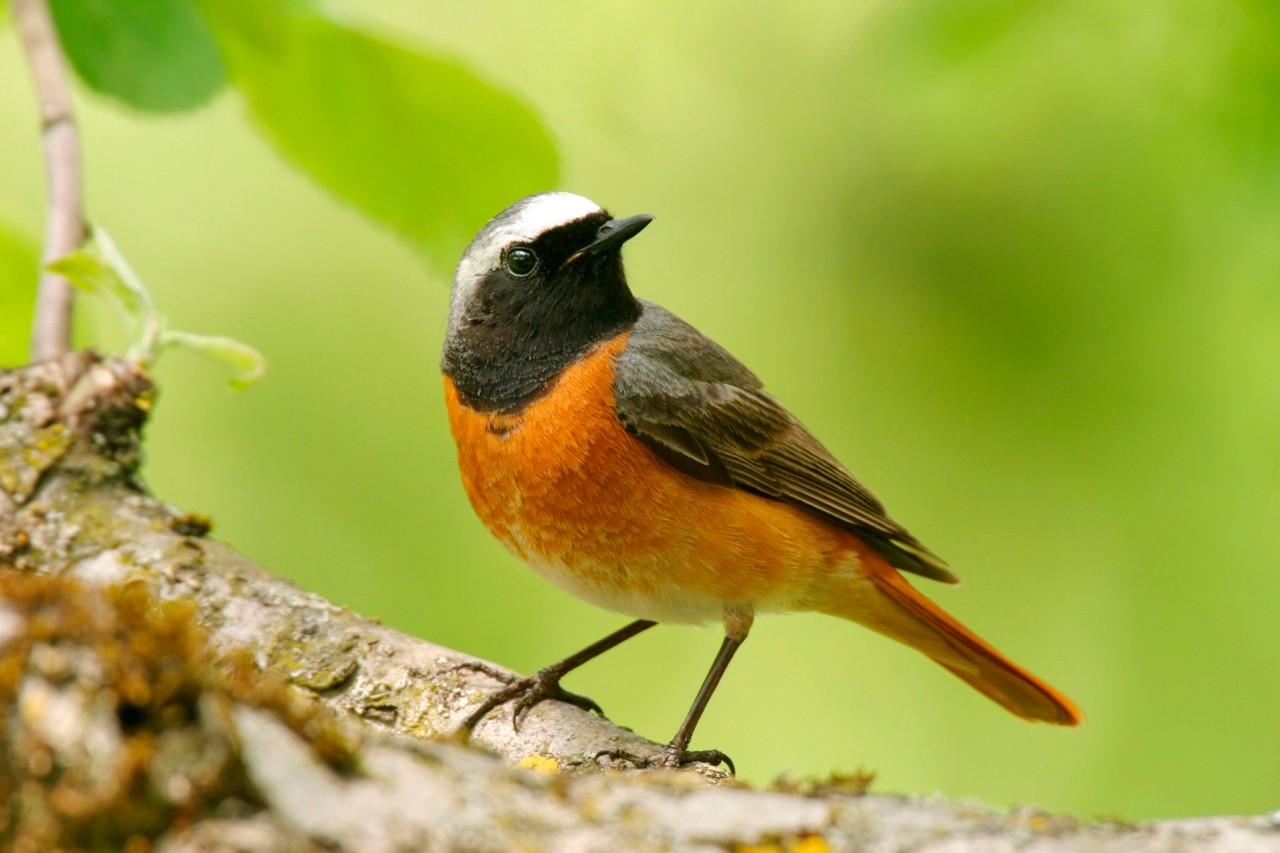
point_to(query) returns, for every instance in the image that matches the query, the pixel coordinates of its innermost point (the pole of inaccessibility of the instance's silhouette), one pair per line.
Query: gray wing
(707, 415)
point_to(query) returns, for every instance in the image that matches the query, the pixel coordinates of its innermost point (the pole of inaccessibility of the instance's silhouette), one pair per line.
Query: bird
(631, 460)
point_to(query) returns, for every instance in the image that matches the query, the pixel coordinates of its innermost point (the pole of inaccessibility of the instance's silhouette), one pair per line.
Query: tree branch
(64, 229)
(160, 691)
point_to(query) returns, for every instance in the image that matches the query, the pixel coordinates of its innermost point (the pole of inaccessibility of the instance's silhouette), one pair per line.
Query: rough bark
(160, 691)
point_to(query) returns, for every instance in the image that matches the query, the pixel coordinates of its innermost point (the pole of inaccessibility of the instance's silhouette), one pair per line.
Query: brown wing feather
(709, 418)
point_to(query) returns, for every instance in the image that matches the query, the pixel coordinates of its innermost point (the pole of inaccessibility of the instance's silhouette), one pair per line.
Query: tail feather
(930, 629)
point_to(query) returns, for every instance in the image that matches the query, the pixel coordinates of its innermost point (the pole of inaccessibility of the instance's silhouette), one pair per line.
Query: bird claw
(714, 757)
(540, 687)
(526, 691)
(482, 668)
(672, 758)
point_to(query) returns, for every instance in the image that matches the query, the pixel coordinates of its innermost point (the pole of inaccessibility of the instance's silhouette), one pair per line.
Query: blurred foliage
(18, 275)
(418, 142)
(154, 55)
(415, 141)
(100, 269)
(1016, 263)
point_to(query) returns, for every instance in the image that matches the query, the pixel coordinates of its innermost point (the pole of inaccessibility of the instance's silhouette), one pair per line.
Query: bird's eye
(521, 262)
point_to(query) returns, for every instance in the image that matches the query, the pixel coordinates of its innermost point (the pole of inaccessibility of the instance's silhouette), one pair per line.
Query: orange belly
(591, 508)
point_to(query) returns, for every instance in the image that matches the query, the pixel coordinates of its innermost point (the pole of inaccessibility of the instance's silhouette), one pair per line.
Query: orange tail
(904, 614)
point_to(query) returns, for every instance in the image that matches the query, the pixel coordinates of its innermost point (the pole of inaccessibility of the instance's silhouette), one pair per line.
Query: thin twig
(64, 230)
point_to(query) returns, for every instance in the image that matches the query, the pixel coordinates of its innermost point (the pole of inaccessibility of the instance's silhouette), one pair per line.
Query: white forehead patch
(529, 217)
(522, 222)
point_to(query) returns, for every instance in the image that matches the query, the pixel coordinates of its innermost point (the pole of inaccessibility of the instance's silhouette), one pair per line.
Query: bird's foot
(526, 692)
(673, 757)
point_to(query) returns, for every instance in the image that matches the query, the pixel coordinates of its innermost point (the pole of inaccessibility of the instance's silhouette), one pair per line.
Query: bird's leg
(737, 623)
(545, 683)
(677, 752)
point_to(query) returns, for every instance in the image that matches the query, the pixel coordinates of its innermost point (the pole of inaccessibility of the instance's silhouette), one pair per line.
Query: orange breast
(590, 507)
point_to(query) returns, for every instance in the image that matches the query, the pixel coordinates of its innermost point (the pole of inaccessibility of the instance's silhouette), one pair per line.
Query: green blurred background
(1015, 263)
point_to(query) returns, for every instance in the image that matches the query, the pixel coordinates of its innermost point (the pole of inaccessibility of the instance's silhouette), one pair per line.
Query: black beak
(612, 234)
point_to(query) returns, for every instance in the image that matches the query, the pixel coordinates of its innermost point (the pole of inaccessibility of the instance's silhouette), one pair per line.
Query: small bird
(631, 460)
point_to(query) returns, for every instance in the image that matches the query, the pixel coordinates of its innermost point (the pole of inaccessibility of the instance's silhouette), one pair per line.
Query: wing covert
(707, 415)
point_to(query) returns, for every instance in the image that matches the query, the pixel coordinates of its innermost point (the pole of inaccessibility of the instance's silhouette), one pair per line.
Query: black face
(540, 310)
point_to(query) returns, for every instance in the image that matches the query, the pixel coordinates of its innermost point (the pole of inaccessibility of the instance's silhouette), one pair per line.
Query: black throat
(517, 335)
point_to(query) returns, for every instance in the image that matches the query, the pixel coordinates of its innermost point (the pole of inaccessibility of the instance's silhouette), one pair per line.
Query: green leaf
(156, 55)
(248, 362)
(100, 269)
(19, 272)
(415, 141)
